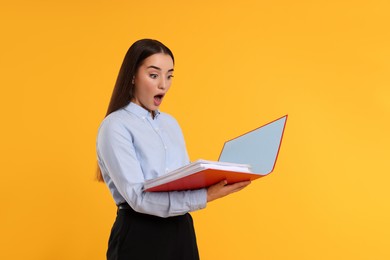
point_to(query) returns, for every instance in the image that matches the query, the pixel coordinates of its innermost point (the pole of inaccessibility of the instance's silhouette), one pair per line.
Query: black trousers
(140, 236)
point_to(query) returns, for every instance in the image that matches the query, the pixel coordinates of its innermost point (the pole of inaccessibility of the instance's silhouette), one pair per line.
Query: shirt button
(157, 129)
(166, 170)
(165, 147)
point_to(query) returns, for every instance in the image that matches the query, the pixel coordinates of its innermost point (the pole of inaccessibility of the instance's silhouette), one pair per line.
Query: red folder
(205, 178)
(247, 157)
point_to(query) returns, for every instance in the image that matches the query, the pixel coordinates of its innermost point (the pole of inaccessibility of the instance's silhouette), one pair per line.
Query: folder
(247, 157)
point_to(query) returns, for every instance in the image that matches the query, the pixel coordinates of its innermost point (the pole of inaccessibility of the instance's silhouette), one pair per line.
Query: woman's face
(152, 81)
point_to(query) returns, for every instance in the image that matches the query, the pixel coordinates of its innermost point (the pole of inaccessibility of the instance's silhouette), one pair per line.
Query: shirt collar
(140, 111)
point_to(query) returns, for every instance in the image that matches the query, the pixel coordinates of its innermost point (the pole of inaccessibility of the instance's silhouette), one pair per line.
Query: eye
(170, 76)
(153, 76)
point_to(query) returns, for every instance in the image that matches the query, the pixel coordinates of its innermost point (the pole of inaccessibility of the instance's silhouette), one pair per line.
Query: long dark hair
(123, 89)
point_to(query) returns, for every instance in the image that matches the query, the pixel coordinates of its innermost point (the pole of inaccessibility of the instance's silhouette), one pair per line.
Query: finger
(235, 190)
(239, 184)
(236, 186)
(238, 189)
(223, 183)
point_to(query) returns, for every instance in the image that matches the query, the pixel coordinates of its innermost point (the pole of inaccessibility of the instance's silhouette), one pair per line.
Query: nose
(162, 84)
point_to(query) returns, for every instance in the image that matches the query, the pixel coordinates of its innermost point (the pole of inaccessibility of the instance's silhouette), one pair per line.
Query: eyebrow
(157, 68)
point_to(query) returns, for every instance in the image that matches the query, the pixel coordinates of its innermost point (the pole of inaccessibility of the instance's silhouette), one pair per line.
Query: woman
(137, 142)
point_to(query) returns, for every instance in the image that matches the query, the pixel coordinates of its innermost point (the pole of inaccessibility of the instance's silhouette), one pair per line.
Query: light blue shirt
(133, 147)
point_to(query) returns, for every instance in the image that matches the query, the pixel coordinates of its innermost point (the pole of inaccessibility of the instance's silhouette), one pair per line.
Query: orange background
(238, 65)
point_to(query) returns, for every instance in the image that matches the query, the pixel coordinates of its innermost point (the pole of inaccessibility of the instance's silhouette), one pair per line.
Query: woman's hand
(221, 189)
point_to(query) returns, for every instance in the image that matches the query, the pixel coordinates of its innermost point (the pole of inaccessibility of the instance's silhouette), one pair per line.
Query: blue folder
(259, 148)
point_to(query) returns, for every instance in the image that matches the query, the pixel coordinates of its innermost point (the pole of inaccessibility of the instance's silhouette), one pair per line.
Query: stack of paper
(200, 174)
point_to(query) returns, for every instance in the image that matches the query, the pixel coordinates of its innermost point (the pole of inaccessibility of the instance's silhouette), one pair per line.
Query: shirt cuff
(199, 199)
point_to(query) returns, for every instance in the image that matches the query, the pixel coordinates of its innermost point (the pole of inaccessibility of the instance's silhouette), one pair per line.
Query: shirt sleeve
(118, 160)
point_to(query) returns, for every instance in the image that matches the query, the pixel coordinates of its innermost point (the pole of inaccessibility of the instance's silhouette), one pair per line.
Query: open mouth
(158, 99)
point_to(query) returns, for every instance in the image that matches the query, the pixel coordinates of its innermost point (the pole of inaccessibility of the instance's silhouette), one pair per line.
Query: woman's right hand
(222, 189)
